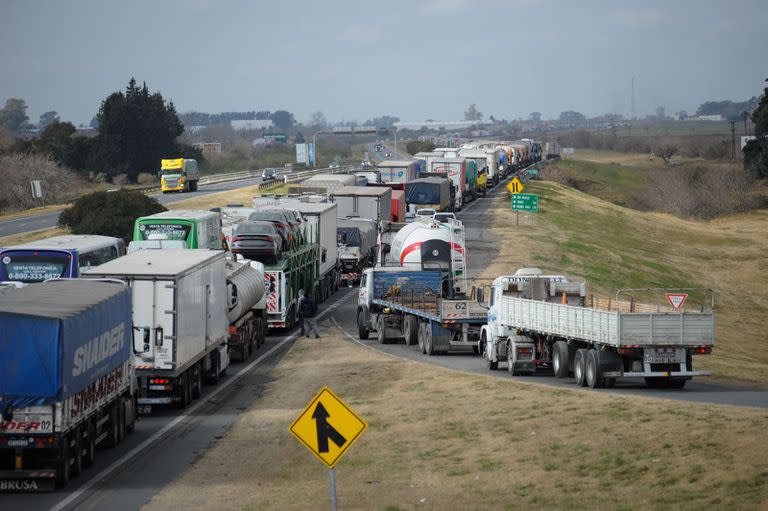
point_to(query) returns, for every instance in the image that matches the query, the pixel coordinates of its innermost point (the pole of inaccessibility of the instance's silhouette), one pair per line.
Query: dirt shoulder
(441, 439)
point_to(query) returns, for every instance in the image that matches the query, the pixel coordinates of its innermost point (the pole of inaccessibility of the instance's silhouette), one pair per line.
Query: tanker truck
(420, 294)
(245, 307)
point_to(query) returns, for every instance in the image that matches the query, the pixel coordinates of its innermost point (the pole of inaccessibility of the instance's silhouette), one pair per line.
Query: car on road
(444, 217)
(425, 213)
(377, 148)
(257, 240)
(277, 218)
(269, 174)
(388, 155)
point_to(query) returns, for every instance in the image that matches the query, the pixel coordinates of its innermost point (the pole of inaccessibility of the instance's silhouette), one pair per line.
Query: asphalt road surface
(48, 220)
(386, 148)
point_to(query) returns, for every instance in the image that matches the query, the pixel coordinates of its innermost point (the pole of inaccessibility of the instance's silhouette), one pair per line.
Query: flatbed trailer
(555, 327)
(398, 303)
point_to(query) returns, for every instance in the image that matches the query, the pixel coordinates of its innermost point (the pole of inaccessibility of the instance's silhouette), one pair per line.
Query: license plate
(671, 355)
(17, 443)
(157, 387)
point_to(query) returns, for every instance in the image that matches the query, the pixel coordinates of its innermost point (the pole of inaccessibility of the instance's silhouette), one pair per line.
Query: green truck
(197, 228)
(471, 188)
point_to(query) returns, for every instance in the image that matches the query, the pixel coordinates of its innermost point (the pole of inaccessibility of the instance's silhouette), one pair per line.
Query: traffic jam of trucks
(91, 337)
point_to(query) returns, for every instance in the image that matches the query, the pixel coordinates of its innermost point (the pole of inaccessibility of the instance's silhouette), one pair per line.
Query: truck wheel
(362, 332)
(120, 421)
(90, 444)
(429, 342)
(593, 374)
(421, 336)
(130, 414)
(380, 332)
(185, 390)
(215, 367)
(511, 362)
(77, 465)
(62, 468)
(579, 367)
(410, 330)
(113, 436)
(197, 389)
(560, 359)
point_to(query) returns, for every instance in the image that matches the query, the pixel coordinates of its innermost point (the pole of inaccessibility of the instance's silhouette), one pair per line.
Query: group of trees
(756, 151)
(418, 146)
(136, 130)
(282, 119)
(731, 110)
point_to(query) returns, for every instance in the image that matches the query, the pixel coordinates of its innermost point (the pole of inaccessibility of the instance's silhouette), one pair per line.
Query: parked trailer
(397, 303)
(67, 381)
(429, 192)
(536, 320)
(327, 183)
(321, 231)
(551, 150)
(397, 171)
(356, 239)
(487, 161)
(180, 323)
(374, 203)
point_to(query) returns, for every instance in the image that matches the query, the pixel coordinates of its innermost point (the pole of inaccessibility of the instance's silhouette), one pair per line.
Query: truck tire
(362, 331)
(511, 362)
(215, 367)
(410, 330)
(560, 359)
(77, 454)
(579, 367)
(421, 336)
(185, 390)
(113, 435)
(62, 467)
(594, 373)
(90, 444)
(492, 366)
(130, 414)
(429, 342)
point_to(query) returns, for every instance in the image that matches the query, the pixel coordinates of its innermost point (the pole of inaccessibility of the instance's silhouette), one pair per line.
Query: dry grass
(26, 237)
(242, 196)
(440, 439)
(613, 247)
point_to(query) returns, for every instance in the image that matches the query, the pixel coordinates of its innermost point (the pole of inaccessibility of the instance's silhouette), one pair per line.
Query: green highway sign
(525, 202)
(533, 172)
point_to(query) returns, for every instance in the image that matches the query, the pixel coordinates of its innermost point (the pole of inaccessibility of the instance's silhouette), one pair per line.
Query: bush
(145, 178)
(108, 213)
(120, 179)
(17, 170)
(417, 146)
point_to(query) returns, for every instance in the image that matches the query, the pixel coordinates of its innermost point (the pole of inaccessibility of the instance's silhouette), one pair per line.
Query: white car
(425, 213)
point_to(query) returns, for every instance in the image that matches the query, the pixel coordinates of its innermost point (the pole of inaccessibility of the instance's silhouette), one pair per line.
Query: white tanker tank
(245, 288)
(427, 244)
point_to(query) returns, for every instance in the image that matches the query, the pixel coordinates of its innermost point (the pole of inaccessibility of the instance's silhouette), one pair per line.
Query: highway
(387, 148)
(48, 220)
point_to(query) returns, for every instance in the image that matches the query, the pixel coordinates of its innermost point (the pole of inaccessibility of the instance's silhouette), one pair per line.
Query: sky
(415, 59)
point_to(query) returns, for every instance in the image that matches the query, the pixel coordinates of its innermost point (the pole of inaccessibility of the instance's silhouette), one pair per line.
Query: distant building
(716, 117)
(208, 147)
(438, 125)
(251, 125)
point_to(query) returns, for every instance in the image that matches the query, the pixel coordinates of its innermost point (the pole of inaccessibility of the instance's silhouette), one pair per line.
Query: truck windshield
(164, 231)
(35, 266)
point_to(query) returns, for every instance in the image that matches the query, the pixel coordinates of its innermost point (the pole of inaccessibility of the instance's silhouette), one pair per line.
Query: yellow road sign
(328, 427)
(515, 186)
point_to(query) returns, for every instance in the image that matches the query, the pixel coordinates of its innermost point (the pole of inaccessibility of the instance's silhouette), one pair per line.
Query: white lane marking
(190, 411)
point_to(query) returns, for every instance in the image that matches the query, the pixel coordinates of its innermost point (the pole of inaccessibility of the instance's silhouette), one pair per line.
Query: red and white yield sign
(676, 300)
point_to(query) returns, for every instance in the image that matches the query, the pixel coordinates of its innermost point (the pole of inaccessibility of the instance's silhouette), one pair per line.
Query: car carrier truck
(535, 320)
(66, 379)
(180, 321)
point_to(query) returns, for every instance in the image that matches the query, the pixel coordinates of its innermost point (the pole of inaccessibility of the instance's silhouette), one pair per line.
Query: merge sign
(515, 186)
(525, 202)
(328, 427)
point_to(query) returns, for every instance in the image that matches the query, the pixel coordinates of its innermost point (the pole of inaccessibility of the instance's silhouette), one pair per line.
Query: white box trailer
(397, 171)
(328, 183)
(487, 159)
(535, 319)
(180, 320)
(374, 203)
(321, 229)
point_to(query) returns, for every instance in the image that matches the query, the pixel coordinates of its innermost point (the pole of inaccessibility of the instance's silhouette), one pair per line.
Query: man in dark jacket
(307, 311)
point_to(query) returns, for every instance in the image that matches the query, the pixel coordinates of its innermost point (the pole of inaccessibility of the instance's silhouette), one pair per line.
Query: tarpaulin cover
(356, 232)
(428, 190)
(58, 337)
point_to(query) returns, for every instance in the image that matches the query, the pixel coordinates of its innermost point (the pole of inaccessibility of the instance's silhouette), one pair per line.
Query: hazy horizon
(414, 60)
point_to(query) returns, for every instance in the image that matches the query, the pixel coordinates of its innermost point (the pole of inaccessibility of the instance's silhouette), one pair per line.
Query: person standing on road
(307, 311)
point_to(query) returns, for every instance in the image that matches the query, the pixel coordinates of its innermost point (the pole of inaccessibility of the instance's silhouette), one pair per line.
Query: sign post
(525, 202)
(328, 427)
(37, 191)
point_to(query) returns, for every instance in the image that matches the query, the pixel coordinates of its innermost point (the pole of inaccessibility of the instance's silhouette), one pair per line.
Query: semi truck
(67, 382)
(356, 239)
(198, 228)
(179, 175)
(455, 169)
(536, 320)
(487, 160)
(397, 171)
(245, 309)
(374, 203)
(180, 321)
(429, 192)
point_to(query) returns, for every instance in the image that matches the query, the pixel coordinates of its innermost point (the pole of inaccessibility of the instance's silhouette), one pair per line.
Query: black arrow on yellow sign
(325, 430)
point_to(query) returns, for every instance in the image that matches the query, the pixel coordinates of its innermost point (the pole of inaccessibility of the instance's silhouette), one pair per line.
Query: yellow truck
(179, 175)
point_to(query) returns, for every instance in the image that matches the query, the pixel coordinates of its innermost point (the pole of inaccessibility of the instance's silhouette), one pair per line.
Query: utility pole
(733, 140)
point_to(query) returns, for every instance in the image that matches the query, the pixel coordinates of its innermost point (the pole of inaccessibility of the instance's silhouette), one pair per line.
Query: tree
(573, 118)
(14, 114)
(473, 114)
(417, 146)
(665, 149)
(660, 113)
(48, 118)
(536, 116)
(94, 122)
(299, 138)
(729, 109)
(317, 120)
(756, 151)
(282, 120)
(136, 130)
(108, 213)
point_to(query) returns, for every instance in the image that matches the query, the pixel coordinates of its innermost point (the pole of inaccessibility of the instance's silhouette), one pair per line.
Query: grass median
(442, 439)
